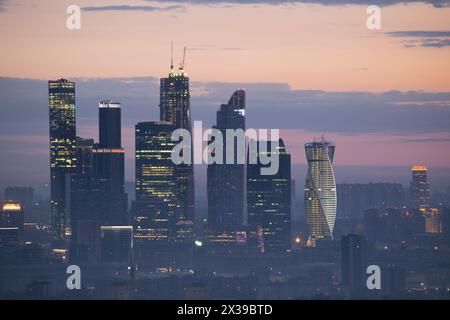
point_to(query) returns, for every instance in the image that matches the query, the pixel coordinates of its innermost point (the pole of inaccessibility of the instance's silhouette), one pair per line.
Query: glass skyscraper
(62, 149)
(175, 108)
(420, 188)
(320, 191)
(109, 167)
(226, 182)
(269, 202)
(157, 207)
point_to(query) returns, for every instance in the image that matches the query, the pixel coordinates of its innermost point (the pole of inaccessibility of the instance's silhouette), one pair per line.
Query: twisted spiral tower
(320, 190)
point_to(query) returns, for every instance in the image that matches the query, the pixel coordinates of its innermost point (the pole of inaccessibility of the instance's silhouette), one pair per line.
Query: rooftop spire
(171, 56)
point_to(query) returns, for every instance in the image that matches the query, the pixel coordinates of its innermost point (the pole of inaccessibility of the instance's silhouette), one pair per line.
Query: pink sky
(308, 46)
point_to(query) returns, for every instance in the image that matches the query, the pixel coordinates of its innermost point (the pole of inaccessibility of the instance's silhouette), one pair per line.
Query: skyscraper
(62, 148)
(175, 107)
(420, 188)
(353, 263)
(269, 201)
(226, 182)
(320, 190)
(81, 199)
(157, 207)
(108, 167)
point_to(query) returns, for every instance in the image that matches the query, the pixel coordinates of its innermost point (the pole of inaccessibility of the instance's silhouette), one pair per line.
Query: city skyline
(406, 148)
(387, 91)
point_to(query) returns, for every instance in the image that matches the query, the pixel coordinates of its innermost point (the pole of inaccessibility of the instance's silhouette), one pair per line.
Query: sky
(310, 68)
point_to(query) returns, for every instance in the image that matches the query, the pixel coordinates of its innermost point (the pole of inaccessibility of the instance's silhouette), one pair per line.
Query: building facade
(175, 107)
(419, 188)
(226, 182)
(62, 149)
(157, 208)
(269, 201)
(320, 191)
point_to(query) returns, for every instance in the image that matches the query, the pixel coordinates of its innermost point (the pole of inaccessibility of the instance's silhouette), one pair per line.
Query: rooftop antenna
(171, 56)
(183, 60)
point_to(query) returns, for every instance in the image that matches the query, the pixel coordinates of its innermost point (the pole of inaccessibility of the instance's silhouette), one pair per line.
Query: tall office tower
(175, 107)
(157, 207)
(108, 168)
(62, 148)
(353, 263)
(420, 188)
(226, 182)
(80, 196)
(11, 222)
(320, 191)
(269, 201)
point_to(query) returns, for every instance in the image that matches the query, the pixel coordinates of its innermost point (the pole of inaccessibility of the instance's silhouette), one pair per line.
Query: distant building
(420, 188)
(392, 225)
(11, 222)
(196, 291)
(24, 195)
(353, 199)
(40, 289)
(432, 221)
(320, 190)
(226, 182)
(446, 223)
(62, 149)
(269, 201)
(353, 264)
(116, 243)
(393, 282)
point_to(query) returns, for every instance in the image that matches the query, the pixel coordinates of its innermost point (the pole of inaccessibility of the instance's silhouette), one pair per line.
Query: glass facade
(269, 203)
(62, 149)
(420, 188)
(226, 182)
(157, 207)
(320, 191)
(175, 107)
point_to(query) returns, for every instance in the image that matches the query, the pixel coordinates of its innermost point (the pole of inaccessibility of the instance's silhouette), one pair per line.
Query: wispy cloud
(419, 34)
(426, 39)
(177, 8)
(2, 4)
(436, 3)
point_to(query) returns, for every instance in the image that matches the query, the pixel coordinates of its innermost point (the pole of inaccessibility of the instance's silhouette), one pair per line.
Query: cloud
(425, 39)
(133, 8)
(435, 3)
(350, 116)
(419, 34)
(424, 140)
(2, 4)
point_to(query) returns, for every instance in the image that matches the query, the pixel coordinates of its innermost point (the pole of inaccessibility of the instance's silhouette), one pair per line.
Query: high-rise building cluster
(246, 228)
